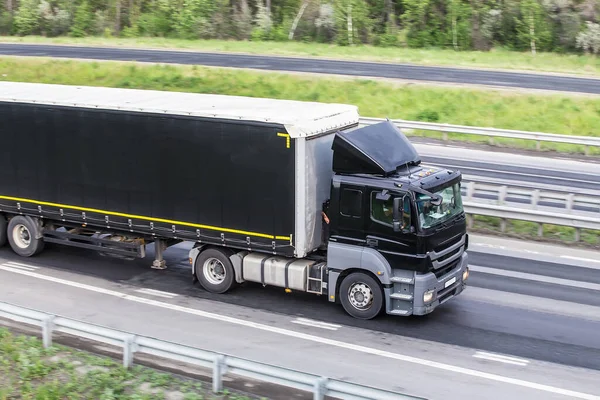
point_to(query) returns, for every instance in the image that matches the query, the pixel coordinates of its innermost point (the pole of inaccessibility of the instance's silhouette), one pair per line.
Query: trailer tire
(361, 296)
(215, 271)
(23, 235)
(3, 231)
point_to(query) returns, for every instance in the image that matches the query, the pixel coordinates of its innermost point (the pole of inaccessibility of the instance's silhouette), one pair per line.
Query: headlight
(428, 296)
(466, 274)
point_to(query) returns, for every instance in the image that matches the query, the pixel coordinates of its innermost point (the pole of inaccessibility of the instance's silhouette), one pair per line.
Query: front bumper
(442, 289)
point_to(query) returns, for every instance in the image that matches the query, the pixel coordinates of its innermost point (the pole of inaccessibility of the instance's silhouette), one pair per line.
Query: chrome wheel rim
(21, 236)
(360, 296)
(214, 271)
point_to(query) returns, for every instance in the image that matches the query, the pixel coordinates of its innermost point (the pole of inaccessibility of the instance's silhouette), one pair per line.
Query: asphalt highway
(311, 65)
(531, 313)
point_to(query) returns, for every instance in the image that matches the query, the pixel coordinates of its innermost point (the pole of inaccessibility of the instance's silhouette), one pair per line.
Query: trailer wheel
(361, 296)
(22, 235)
(3, 231)
(215, 271)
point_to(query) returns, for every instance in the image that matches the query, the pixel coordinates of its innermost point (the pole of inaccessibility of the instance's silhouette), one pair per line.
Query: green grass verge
(529, 231)
(559, 114)
(495, 59)
(28, 371)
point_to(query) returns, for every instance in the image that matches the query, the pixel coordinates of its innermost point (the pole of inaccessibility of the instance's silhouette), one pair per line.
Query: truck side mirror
(398, 204)
(399, 216)
(383, 195)
(398, 213)
(437, 200)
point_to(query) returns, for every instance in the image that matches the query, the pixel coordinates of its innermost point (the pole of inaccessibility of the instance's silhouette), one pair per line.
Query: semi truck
(296, 195)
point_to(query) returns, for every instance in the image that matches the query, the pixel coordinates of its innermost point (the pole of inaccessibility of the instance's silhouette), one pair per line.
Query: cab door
(350, 216)
(399, 248)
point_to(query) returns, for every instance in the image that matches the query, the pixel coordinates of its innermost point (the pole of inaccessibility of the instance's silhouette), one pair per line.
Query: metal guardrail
(537, 199)
(537, 216)
(531, 186)
(493, 198)
(220, 364)
(538, 137)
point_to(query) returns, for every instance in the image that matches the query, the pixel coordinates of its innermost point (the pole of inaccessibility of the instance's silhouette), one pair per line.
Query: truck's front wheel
(215, 271)
(23, 236)
(361, 296)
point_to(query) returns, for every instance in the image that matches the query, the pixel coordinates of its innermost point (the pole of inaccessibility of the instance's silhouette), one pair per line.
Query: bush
(27, 18)
(84, 21)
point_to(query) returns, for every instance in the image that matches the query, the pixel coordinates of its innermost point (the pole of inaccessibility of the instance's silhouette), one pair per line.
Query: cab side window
(351, 203)
(382, 211)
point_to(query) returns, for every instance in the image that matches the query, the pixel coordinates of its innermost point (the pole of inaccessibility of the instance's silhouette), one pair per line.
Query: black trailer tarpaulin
(214, 179)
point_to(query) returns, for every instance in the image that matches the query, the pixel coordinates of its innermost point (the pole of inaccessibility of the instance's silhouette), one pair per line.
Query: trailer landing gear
(159, 262)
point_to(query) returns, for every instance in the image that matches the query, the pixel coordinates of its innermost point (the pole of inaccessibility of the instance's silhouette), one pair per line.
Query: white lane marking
(157, 293)
(500, 358)
(513, 173)
(313, 338)
(534, 303)
(21, 266)
(316, 324)
(550, 257)
(489, 246)
(534, 277)
(580, 259)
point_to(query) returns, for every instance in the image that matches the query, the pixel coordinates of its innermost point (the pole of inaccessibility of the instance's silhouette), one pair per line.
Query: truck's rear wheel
(22, 235)
(3, 231)
(215, 271)
(361, 296)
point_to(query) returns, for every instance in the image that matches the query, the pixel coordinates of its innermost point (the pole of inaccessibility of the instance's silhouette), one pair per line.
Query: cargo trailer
(284, 193)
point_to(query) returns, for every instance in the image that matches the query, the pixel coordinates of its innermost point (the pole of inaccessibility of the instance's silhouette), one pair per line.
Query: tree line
(531, 25)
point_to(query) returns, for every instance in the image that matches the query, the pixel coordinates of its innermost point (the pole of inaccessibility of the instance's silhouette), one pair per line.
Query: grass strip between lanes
(28, 371)
(575, 64)
(556, 113)
(529, 231)
(553, 114)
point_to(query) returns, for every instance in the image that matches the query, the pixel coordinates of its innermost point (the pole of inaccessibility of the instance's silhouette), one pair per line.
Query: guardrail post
(470, 190)
(535, 198)
(218, 367)
(47, 328)
(570, 202)
(502, 194)
(320, 388)
(577, 234)
(128, 350)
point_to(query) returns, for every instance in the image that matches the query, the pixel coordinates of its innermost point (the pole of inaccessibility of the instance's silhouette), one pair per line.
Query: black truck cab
(384, 201)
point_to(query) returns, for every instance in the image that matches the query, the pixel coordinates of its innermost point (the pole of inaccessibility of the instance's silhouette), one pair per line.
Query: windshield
(431, 215)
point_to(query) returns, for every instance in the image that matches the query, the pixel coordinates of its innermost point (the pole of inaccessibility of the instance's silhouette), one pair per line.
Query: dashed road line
(20, 266)
(500, 358)
(158, 293)
(535, 277)
(580, 259)
(316, 324)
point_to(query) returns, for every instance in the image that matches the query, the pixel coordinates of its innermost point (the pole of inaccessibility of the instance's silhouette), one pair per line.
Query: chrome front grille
(449, 255)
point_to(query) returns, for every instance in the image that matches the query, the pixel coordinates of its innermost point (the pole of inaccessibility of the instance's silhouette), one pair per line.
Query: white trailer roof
(301, 119)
